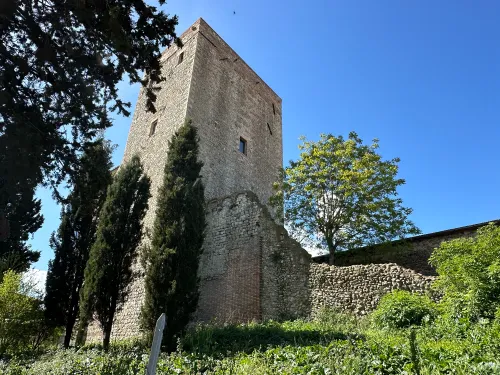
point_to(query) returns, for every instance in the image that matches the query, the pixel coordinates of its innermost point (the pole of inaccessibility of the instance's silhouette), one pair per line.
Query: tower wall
(206, 81)
(228, 100)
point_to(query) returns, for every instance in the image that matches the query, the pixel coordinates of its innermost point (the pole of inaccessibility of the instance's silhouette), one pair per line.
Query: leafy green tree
(20, 312)
(341, 195)
(109, 269)
(76, 234)
(469, 273)
(60, 64)
(171, 262)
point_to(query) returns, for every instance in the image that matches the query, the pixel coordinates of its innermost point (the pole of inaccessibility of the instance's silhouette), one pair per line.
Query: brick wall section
(250, 268)
(357, 289)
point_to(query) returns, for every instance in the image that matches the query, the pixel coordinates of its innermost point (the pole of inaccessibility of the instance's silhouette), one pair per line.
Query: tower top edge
(200, 25)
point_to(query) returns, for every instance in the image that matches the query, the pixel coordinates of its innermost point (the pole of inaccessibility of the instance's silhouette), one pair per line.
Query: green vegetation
(469, 274)
(331, 344)
(18, 220)
(402, 309)
(60, 66)
(22, 323)
(406, 334)
(171, 262)
(109, 269)
(341, 195)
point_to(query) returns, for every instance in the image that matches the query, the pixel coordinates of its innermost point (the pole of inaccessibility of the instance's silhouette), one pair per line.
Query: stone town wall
(357, 289)
(250, 268)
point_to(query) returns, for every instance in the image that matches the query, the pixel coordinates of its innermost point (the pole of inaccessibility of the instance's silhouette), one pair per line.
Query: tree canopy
(24, 218)
(340, 195)
(60, 63)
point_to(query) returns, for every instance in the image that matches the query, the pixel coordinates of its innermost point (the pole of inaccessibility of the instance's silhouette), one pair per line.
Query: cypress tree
(109, 273)
(171, 261)
(76, 234)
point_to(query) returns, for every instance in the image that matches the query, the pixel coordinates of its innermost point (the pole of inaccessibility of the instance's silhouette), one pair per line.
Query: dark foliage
(24, 218)
(171, 262)
(109, 273)
(76, 234)
(60, 63)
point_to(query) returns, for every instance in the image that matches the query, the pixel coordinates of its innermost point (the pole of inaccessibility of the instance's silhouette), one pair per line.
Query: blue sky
(422, 76)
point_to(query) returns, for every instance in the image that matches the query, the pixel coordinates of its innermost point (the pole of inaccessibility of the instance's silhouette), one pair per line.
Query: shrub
(22, 324)
(469, 274)
(402, 309)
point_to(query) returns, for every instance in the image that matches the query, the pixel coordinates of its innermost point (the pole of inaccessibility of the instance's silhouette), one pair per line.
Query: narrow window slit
(243, 146)
(152, 129)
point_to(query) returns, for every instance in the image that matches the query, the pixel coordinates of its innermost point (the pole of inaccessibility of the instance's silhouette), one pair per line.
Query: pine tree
(76, 235)
(109, 273)
(171, 261)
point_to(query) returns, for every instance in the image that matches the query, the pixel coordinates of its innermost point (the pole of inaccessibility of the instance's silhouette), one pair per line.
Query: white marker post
(155, 346)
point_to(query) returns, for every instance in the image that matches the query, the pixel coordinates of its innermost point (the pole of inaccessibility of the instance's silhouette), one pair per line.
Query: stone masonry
(357, 289)
(207, 82)
(251, 270)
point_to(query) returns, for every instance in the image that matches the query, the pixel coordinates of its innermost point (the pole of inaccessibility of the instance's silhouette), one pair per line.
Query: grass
(331, 344)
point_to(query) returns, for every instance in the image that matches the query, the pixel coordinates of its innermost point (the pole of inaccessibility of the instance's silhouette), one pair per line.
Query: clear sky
(422, 76)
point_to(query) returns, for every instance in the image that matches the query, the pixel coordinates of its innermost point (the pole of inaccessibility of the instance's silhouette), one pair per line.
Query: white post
(155, 346)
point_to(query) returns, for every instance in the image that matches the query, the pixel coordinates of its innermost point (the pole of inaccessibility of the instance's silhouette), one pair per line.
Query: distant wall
(357, 289)
(414, 253)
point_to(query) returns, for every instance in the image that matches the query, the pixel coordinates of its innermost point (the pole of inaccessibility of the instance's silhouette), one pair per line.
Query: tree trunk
(106, 337)
(331, 250)
(332, 258)
(109, 325)
(69, 331)
(70, 324)
(80, 333)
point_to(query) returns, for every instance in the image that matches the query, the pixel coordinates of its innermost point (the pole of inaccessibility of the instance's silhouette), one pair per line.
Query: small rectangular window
(269, 128)
(181, 58)
(152, 129)
(243, 146)
(274, 109)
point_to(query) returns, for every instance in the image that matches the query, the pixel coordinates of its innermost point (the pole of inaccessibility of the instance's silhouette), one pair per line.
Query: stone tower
(238, 117)
(230, 105)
